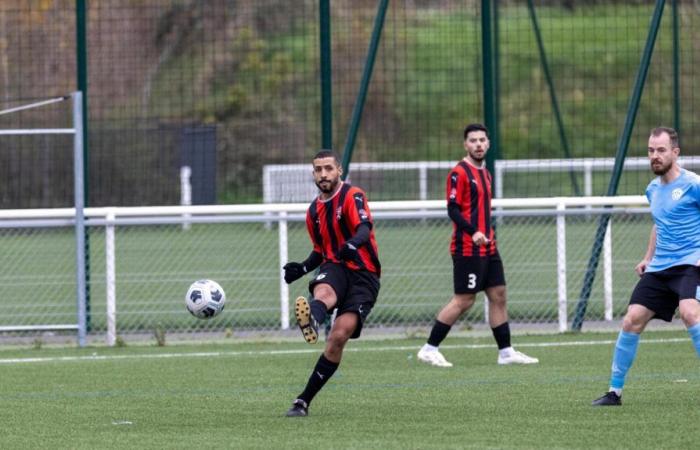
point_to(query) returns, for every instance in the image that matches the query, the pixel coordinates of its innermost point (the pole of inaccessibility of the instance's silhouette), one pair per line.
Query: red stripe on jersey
(332, 222)
(469, 188)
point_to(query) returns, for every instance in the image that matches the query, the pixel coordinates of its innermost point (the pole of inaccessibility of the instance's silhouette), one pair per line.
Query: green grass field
(235, 395)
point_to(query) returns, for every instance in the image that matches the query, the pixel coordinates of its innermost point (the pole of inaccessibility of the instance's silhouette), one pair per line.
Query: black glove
(293, 271)
(348, 252)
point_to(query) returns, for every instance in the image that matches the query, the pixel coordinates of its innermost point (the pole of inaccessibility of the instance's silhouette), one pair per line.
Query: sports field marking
(316, 349)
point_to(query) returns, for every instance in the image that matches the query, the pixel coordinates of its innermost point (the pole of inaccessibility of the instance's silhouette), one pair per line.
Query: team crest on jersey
(363, 214)
(677, 193)
(453, 194)
(339, 212)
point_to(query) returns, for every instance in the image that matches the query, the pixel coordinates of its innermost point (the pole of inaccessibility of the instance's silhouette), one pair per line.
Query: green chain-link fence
(228, 87)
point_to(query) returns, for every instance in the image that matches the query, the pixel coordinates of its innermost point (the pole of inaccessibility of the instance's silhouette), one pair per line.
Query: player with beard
(340, 226)
(476, 263)
(669, 271)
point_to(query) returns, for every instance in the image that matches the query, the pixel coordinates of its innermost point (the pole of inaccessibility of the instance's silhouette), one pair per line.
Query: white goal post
(77, 217)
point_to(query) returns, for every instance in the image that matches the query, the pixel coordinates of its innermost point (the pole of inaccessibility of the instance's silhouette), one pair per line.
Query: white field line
(95, 357)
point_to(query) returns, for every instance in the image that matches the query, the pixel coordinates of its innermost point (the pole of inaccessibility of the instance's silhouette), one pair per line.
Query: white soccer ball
(205, 299)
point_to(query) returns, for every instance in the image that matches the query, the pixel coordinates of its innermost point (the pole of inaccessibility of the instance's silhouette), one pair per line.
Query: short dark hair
(672, 134)
(324, 153)
(475, 127)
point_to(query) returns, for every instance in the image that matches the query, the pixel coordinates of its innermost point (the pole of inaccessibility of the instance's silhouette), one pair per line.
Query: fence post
(186, 192)
(607, 272)
(110, 273)
(284, 256)
(561, 267)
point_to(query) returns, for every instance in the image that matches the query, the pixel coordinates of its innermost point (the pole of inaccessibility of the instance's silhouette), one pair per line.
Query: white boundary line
(48, 359)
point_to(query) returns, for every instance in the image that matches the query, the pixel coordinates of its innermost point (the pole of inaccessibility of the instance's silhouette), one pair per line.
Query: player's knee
(337, 340)
(497, 297)
(463, 301)
(632, 323)
(689, 312)
(324, 292)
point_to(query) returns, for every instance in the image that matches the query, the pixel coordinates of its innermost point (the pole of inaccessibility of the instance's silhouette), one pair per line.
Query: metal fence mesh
(233, 86)
(156, 263)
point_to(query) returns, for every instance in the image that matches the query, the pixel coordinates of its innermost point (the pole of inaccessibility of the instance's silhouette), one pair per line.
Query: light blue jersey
(675, 208)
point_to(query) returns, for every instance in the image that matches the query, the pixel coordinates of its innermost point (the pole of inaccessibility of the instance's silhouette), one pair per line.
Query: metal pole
(79, 215)
(589, 277)
(284, 258)
(326, 69)
(111, 280)
(82, 73)
(676, 71)
(364, 84)
(489, 85)
(552, 93)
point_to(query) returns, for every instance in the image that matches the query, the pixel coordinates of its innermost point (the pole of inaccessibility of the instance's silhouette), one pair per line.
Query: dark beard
(328, 190)
(661, 171)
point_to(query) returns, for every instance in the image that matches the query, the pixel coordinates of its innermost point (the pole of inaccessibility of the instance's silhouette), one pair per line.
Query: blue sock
(625, 352)
(694, 332)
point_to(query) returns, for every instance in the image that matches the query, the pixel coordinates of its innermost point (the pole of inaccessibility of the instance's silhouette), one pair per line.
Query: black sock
(318, 311)
(502, 335)
(322, 372)
(438, 333)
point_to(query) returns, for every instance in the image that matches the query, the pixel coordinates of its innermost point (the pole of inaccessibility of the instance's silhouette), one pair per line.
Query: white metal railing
(586, 165)
(112, 217)
(292, 182)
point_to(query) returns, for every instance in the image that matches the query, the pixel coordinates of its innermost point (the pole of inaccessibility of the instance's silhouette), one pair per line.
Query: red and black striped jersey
(332, 222)
(469, 188)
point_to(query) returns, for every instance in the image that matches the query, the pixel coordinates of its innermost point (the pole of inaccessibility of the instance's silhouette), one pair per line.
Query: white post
(498, 175)
(588, 180)
(111, 281)
(561, 267)
(186, 192)
(423, 182)
(267, 192)
(486, 309)
(498, 183)
(79, 201)
(607, 272)
(284, 256)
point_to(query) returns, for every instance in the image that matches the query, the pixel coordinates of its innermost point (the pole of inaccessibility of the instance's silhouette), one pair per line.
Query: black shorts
(356, 290)
(661, 291)
(472, 274)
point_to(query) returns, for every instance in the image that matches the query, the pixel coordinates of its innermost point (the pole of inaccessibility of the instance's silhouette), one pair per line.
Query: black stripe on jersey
(347, 232)
(313, 212)
(473, 204)
(487, 203)
(459, 234)
(330, 217)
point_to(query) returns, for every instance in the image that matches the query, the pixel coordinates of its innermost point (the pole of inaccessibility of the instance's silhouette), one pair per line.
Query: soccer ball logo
(205, 299)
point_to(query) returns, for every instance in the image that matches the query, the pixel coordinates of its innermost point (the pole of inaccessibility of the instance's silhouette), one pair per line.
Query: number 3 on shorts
(471, 280)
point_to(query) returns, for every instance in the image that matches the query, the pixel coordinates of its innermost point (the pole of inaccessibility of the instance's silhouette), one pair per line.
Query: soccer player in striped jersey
(670, 270)
(476, 263)
(341, 230)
